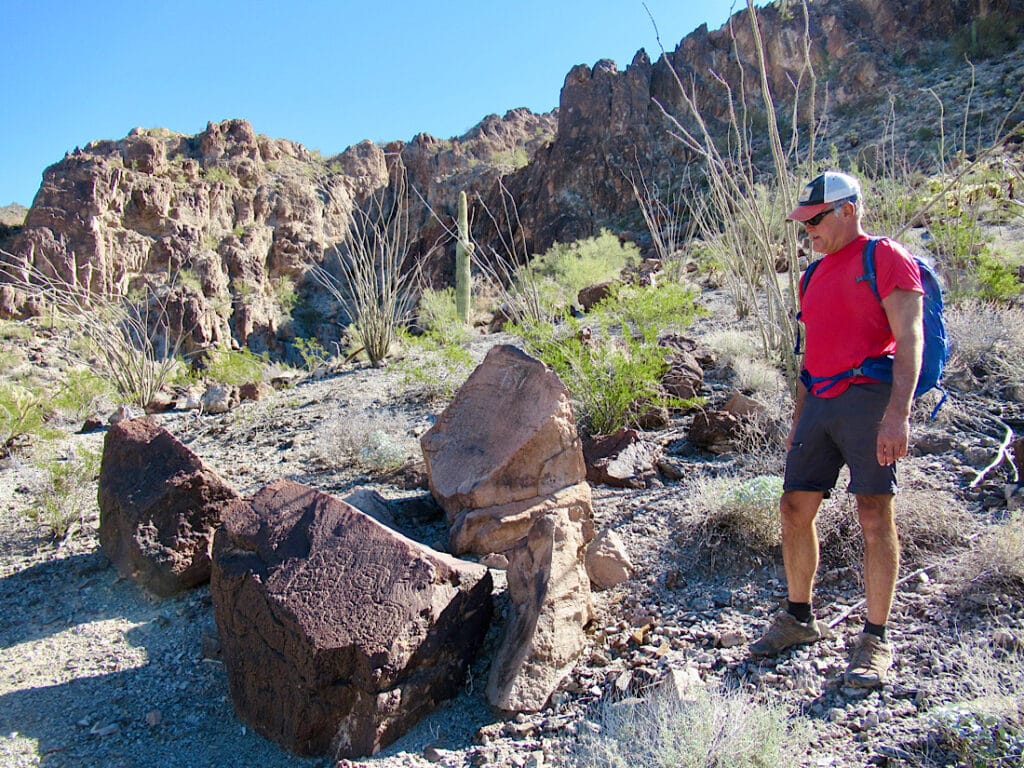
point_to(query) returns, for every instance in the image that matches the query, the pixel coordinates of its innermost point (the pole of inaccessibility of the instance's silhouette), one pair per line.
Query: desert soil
(96, 672)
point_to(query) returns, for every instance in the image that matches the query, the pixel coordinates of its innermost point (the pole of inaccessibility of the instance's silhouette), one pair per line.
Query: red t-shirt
(844, 322)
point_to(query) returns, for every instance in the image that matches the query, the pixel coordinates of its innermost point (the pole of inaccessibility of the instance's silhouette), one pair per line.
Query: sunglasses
(817, 218)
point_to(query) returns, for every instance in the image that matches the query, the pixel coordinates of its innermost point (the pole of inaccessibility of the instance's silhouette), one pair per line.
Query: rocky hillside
(238, 218)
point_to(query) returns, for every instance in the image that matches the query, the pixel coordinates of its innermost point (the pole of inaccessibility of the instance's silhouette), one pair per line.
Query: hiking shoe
(784, 632)
(870, 661)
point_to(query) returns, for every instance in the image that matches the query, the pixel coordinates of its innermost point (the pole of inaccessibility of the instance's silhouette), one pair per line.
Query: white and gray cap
(823, 192)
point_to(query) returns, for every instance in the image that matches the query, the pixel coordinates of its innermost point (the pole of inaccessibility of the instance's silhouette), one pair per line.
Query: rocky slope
(97, 672)
(237, 218)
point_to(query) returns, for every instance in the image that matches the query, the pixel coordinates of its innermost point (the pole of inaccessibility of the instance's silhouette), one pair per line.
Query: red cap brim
(805, 212)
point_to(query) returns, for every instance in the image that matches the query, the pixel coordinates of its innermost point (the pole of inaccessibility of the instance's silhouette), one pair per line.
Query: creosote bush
(234, 366)
(610, 360)
(66, 498)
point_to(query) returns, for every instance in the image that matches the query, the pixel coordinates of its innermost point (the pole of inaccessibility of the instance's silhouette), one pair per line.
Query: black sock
(878, 630)
(799, 611)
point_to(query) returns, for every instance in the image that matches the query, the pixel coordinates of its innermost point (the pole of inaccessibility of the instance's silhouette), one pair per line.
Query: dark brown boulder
(159, 506)
(593, 294)
(716, 431)
(685, 377)
(337, 633)
(622, 459)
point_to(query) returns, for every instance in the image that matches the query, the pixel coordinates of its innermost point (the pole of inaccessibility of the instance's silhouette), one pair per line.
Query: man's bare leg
(800, 542)
(881, 554)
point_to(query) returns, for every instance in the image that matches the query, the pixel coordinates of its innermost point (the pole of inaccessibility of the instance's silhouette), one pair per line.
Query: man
(848, 419)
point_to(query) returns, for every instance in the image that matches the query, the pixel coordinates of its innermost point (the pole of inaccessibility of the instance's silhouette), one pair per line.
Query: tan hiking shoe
(784, 632)
(870, 661)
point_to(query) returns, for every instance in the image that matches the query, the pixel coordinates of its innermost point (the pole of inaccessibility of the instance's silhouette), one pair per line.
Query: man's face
(830, 233)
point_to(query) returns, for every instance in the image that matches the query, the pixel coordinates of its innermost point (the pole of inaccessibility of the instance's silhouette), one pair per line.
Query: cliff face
(243, 216)
(231, 215)
(612, 124)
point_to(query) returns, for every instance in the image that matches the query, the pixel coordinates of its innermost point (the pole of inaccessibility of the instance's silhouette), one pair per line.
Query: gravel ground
(95, 672)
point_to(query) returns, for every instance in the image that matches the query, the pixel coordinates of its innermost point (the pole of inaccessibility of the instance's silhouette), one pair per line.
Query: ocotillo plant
(463, 250)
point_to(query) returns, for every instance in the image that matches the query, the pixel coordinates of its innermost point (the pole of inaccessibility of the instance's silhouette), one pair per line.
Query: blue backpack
(936, 343)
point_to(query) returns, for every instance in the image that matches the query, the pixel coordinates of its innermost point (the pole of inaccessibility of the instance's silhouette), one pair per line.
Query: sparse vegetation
(712, 727)
(23, 413)
(234, 366)
(747, 509)
(66, 497)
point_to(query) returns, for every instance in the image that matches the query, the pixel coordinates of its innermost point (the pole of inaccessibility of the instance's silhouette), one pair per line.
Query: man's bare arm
(904, 310)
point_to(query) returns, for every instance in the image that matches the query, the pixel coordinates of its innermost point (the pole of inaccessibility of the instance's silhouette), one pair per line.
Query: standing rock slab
(505, 447)
(549, 587)
(159, 507)
(339, 634)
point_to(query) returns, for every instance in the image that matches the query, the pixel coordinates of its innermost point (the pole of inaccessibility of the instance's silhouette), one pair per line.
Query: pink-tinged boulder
(549, 588)
(159, 507)
(608, 563)
(338, 634)
(505, 447)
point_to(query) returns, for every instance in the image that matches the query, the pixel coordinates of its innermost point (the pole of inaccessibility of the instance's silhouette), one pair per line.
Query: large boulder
(159, 507)
(506, 448)
(550, 590)
(338, 634)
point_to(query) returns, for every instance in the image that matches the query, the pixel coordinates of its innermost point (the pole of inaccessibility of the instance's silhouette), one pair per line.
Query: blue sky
(324, 74)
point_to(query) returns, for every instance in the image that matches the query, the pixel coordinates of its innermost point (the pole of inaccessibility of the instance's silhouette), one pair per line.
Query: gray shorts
(833, 431)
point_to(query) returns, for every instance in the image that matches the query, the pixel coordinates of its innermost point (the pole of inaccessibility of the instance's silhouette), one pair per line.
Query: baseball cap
(823, 192)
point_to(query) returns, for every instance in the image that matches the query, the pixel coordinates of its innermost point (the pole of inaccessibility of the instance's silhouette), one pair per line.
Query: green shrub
(439, 317)
(81, 394)
(609, 379)
(312, 353)
(68, 494)
(997, 281)
(236, 367)
(285, 293)
(23, 415)
(559, 274)
(667, 306)
(434, 370)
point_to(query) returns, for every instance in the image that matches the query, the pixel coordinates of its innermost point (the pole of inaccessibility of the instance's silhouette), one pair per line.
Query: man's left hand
(893, 439)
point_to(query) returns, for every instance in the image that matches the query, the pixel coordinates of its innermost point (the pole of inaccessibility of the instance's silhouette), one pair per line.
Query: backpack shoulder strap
(868, 257)
(806, 279)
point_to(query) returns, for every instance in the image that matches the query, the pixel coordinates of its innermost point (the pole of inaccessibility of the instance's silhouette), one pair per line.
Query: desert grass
(994, 564)
(373, 443)
(983, 723)
(711, 727)
(987, 338)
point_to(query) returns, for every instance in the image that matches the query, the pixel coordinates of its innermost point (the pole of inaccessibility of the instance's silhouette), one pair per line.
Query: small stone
(154, 717)
(731, 638)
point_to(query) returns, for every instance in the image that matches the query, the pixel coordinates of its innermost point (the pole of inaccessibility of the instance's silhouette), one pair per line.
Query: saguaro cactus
(463, 250)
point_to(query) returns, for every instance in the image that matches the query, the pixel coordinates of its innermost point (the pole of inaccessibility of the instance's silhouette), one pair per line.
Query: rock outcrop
(550, 591)
(337, 633)
(506, 464)
(506, 452)
(159, 508)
